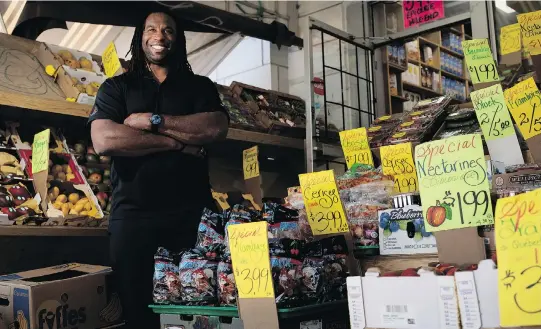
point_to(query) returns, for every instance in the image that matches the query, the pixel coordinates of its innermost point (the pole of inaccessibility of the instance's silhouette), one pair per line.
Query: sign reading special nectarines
(453, 183)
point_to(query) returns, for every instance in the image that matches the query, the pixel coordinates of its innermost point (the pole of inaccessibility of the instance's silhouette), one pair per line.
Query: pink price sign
(421, 12)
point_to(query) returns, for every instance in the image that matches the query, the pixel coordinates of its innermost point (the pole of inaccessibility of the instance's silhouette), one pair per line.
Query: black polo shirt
(164, 185)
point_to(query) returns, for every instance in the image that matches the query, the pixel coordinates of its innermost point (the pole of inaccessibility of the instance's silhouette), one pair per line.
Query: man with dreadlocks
(154, 120)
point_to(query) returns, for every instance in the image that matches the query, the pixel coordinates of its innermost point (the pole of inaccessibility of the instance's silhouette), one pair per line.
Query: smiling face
(159, 36)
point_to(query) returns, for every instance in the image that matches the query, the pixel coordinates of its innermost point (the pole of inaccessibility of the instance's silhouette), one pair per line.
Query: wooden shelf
(451, 52)
(451, 75)
(427, 42)
(261, 138)
(430, 66)
(52, 231)
(400, 98)
(397, 67)
(420, 89)
(414, 61)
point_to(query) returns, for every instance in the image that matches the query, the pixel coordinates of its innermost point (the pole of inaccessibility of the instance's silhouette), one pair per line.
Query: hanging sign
(453, 183)
(322, 201)
(530, 26)
(416, 13)
(397, 160)
(249, 248)
(524, 102)
(109, 58)
(480, 61)
(40, 151)
(355, 146)
(250, 163)
(510, 40)
(518, 246)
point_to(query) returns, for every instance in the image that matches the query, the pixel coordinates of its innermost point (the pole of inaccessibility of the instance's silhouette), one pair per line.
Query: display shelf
(430, 66)
(451, 75)
(52, 231)
(414, 61)
(397, 67)
(419, 89)
(423, 41)
(261, 138)
(396, 262)
(451, 52)
(44, 104)
(401, 98)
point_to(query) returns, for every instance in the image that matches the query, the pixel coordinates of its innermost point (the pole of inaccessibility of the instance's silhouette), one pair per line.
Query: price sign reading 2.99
(249, 248)
(323, 205)
(453, 183)
(524, 102)
(355, 146)
(518, 245)
(480, 61)
(397, 161)
(492, 112)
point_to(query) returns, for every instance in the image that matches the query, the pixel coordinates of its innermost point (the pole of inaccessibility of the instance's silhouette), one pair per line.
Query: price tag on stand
(510, 39)
(109, 58)
(249, 248)
(397, 160)
(355, 146)
(453, 183)
(40, 151)
(323, 205)
(479, 61)
(530, 26)
(524, 102)
(517, 231)
(250, 162)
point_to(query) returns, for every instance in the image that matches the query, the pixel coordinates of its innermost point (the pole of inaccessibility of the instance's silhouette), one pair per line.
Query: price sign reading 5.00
(480, 61)
(492, 112)
(323, 205)
(524, 102)
(397, 161)
(249, 248)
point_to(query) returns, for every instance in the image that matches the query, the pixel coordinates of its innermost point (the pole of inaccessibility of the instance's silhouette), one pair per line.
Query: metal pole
(308, 76)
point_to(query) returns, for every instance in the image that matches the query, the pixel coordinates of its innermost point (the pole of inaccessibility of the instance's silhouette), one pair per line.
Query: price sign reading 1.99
(453, 183)
(249, 248)
(397, 161)
(492, 112)
(524, 103)
(480, 61)
(355, 146)
(250, 163)
(530, 26)
(518, 246)
(323, 205)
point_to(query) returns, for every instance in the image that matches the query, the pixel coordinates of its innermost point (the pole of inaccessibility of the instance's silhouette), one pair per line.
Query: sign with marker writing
(510, 39)
(530, 26)
(322, 201)
(109, 58)
(40, 151)
(480, 61)
(250, 163)
(249, 248)
(492, 112)
(416, 13)
(518, 246)
(355, 146)
(524, 103)
(397, 160)
(453, 183)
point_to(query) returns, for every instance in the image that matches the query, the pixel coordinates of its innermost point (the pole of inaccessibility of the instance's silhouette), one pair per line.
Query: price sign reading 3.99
(518, 246)
(249, 248)
(40, 151)
(323, 205)
(480, 61)
(453, 183)
(524, 103)
(397, 161)
(250, 162)
(492, 112)
(355, 146)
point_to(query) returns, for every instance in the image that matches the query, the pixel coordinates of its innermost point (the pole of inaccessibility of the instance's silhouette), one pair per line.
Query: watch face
(155, 119)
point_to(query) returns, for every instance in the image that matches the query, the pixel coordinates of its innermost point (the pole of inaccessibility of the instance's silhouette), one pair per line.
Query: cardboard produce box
(66, 296)
(521, 179)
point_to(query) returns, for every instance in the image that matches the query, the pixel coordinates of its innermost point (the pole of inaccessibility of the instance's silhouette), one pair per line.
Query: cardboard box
(61, 297)
(518, 180)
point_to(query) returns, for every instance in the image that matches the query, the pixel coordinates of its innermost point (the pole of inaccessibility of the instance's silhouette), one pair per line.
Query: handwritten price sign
(250, 163)
(518, 245)
(524, 103)
(510, 41)
(397, 160)
(249, 247)
(40, 151)
(453, 183)
(480, 61)
(492, 112)
(109, 58)
(323, 205)
(530, 26)
(355, 146)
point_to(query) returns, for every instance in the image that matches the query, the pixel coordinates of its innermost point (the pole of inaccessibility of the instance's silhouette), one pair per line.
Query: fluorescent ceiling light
(502, 5)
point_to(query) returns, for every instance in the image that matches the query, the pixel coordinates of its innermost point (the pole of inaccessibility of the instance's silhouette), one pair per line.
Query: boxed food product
(524, 179)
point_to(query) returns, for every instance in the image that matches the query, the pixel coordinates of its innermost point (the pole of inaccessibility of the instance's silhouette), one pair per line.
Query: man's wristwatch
(156, 121)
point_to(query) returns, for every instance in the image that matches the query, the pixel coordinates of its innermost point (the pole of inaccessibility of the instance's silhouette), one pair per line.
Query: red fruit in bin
(6, 200)
(25, 211)
(409, 272)
(451, 271)
(19, 191)
(10, 211)
(393, 273)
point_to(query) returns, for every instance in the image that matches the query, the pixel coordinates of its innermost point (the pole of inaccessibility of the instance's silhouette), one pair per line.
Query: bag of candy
(286, 275)
(227, 290)
(198, 284)
(286, 248)
(312, 278)
(210, 229)
(166, 285)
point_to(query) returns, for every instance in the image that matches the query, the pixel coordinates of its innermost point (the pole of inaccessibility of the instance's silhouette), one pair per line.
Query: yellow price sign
(397, 161)
(109, 58)
(530, 26)
(250, 163)
(322, 201)
(480, 61)
(356, 147)
(40, 151)
(524, 103)
(249, 248)
(453, 183)
(510, 39)
(492, 112)
(518, 246)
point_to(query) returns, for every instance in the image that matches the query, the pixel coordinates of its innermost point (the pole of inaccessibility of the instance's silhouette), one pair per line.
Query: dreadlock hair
(178, 58)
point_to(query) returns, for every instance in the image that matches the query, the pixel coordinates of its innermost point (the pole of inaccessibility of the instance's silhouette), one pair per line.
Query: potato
(73, 198)
(65, 209)
(56, 169)
(88, 206)
(79, 207)
(62, 198)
